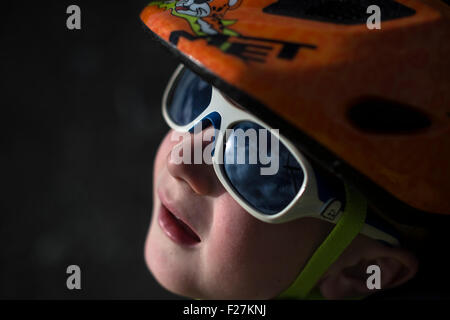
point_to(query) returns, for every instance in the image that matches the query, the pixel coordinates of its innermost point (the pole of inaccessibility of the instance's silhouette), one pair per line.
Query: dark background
(80, 124)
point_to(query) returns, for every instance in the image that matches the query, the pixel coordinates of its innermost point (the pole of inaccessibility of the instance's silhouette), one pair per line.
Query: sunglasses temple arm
(368, 230)
(377, 234)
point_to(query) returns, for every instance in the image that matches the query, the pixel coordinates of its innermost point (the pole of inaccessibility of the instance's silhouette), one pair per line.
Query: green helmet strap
(347, 228)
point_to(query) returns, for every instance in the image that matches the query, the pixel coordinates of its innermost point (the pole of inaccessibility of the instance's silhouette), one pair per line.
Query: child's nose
(190, 161)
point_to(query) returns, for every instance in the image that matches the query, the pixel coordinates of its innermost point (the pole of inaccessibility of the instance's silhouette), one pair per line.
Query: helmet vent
(337, 11)
(377, 115)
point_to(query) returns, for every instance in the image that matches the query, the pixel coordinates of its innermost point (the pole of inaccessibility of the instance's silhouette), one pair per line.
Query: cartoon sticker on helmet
(209, 15)
(207, 20)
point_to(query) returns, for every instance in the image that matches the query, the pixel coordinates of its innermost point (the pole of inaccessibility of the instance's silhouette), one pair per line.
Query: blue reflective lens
(189, 97)
(269, 194)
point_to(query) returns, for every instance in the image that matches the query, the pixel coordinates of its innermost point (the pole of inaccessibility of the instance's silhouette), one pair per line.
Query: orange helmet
(371, 105)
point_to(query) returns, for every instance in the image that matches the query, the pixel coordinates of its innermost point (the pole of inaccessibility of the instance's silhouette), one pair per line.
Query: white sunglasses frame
(305, 204)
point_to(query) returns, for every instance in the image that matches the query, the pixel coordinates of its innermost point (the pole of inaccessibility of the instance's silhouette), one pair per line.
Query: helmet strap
(346, 229)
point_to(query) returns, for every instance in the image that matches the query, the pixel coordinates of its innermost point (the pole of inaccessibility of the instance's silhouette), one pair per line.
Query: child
(283, 227)
(203, 243)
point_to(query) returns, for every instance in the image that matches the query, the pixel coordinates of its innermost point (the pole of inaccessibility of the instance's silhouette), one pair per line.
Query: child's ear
(396, 266)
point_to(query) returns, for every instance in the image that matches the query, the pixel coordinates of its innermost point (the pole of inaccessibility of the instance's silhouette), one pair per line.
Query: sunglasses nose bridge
(215, 119)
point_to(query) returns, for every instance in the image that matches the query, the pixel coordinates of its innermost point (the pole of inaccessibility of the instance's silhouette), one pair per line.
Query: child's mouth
(175, 229)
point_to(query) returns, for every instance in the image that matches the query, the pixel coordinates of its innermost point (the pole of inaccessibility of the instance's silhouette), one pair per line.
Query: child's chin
(170, 282)
(165, 273)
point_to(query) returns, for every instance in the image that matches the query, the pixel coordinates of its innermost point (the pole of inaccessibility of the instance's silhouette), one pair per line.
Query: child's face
(238, 256)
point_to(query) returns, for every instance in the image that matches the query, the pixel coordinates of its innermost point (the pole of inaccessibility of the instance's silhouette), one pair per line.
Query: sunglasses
(295, 190)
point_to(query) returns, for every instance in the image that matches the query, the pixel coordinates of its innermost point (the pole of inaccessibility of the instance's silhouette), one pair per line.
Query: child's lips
(176, 229)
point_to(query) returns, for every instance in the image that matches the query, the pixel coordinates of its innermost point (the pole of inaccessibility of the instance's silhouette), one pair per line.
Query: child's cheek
(230, 228)
(233, 250)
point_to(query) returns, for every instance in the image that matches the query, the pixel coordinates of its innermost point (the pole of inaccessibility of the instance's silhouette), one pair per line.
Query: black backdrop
(80, 123)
